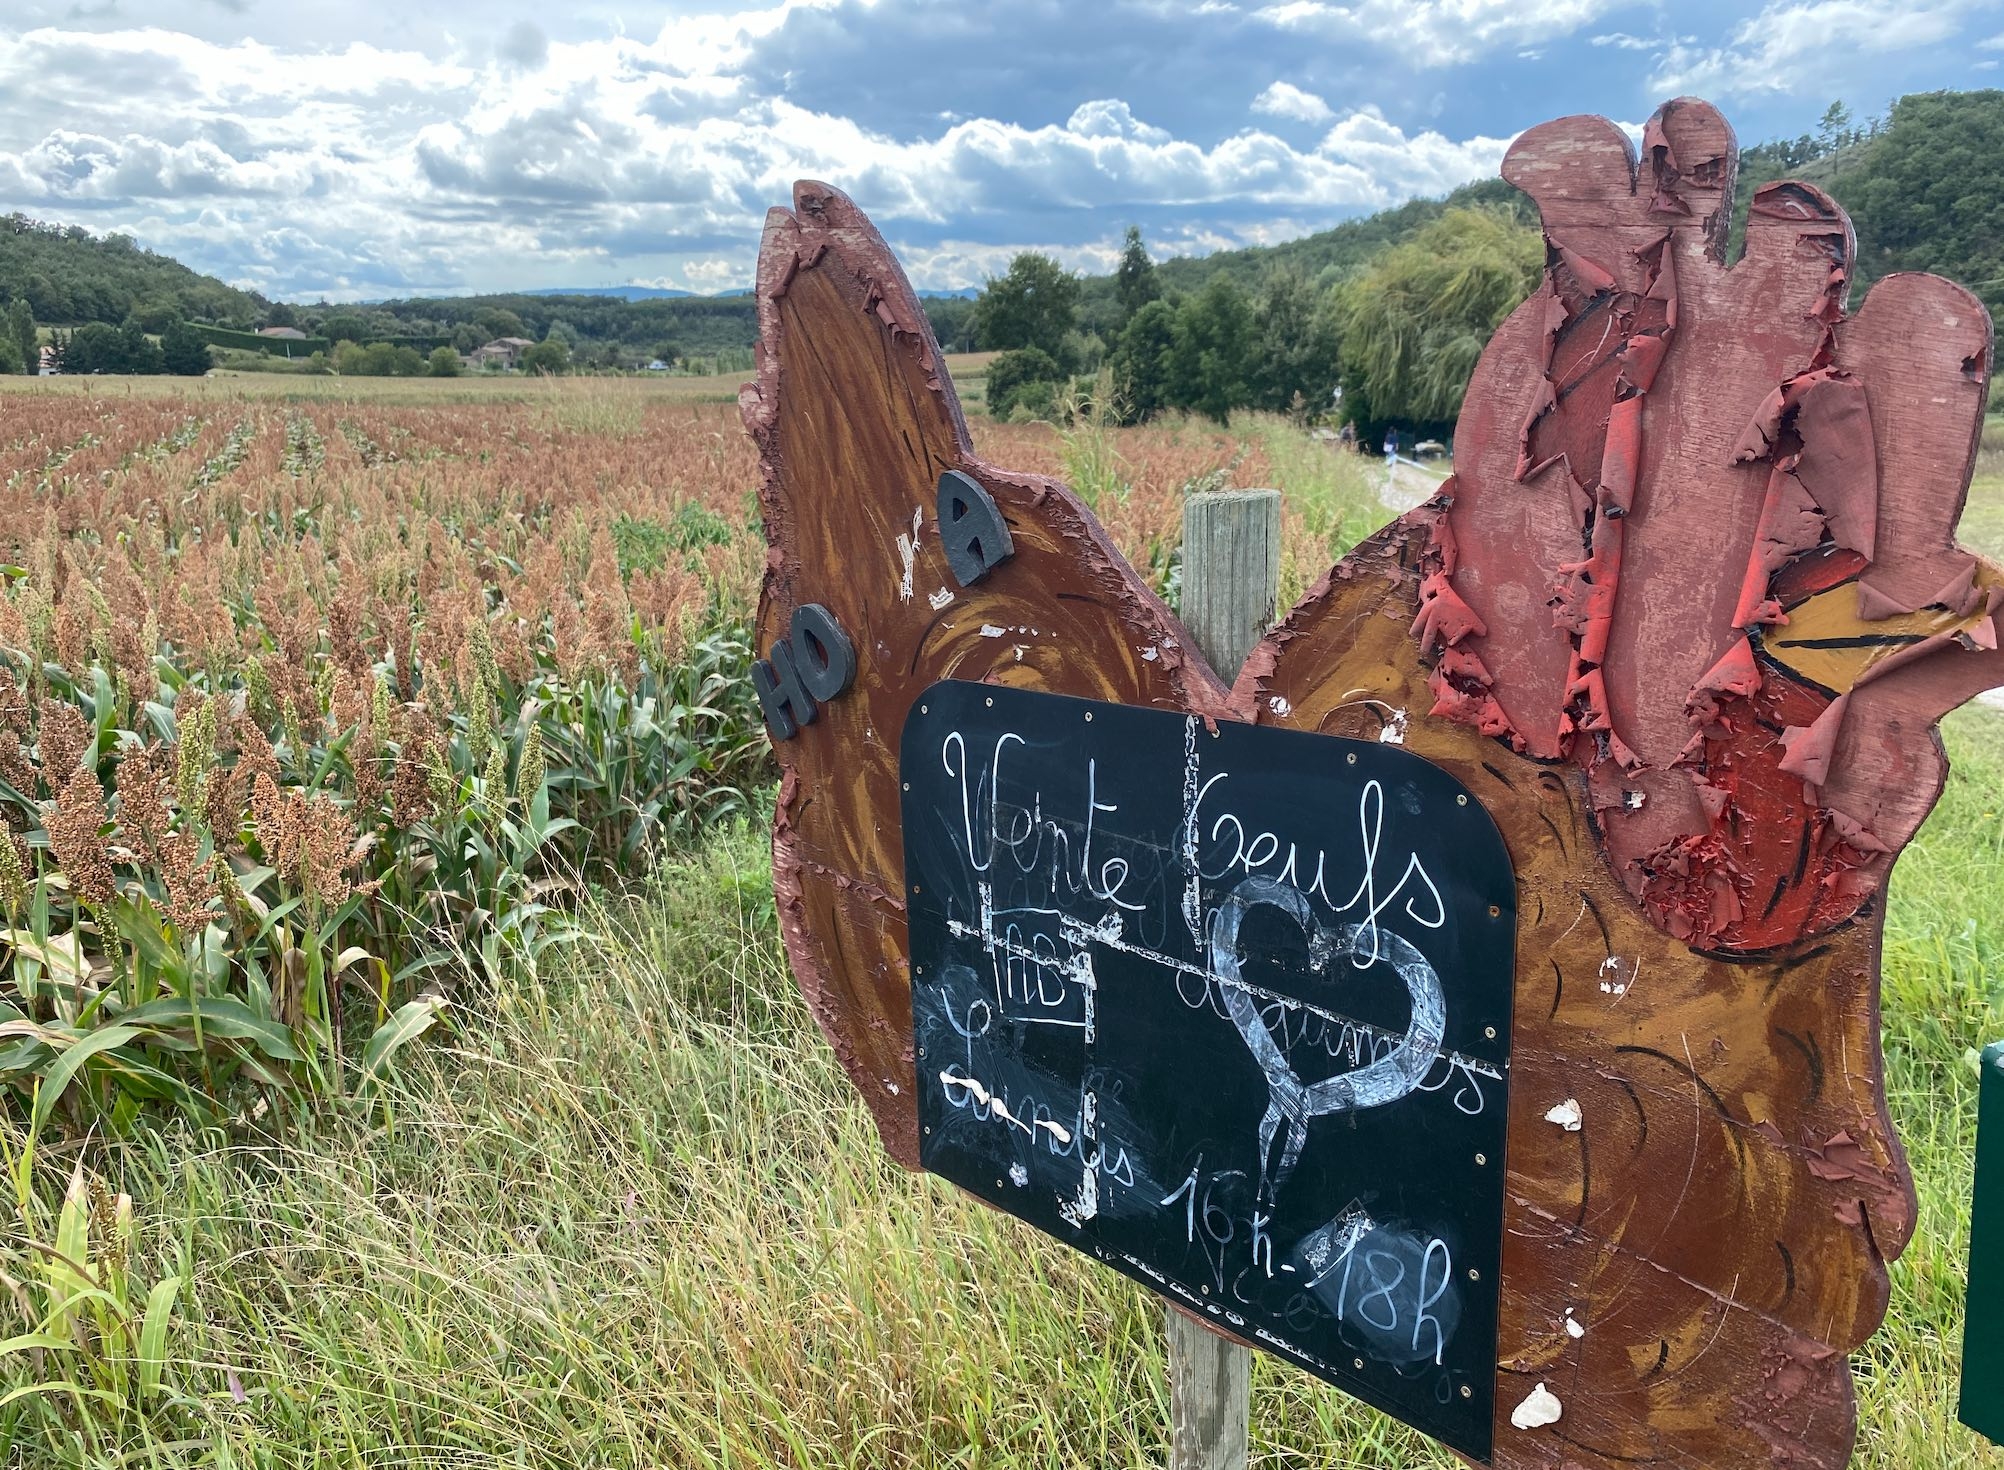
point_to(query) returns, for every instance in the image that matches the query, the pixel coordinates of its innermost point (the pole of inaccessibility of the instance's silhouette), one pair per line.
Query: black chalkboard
(1229, 1009)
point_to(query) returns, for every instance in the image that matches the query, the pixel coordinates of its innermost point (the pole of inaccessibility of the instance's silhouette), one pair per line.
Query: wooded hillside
(68, 276)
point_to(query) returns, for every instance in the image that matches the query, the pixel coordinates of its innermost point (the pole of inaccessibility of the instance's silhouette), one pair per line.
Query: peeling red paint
(1738, 832)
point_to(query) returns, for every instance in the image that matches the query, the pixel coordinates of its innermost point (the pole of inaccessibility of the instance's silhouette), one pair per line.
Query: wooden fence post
(1231, 572)
(1231, 577)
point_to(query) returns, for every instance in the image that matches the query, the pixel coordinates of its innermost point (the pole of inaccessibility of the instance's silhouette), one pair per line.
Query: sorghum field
(400, 1066)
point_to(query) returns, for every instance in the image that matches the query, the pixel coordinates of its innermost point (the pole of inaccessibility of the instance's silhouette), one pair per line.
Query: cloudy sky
(364, 148)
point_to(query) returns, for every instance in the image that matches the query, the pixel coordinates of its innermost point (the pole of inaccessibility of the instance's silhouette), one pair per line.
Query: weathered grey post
(1231, 576)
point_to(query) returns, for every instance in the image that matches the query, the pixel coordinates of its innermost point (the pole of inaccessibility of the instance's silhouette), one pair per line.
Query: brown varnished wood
(1659, 457)
(1707, 1200)
(855, 418)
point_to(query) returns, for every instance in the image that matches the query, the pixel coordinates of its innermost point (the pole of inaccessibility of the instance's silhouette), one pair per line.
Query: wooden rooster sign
(1477, 1003)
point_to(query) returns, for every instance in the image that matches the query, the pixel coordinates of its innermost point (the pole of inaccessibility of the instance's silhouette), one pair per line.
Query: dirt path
(1407, 485)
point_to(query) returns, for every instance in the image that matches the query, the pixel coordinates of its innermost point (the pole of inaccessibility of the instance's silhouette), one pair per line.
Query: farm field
(969, 370)
(403, 721)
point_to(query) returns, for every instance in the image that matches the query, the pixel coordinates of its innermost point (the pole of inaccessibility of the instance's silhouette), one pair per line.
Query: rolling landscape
(402, 1064)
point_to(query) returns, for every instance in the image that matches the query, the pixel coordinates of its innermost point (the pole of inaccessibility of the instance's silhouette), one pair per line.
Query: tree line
(1391, 344)
(1379, 322)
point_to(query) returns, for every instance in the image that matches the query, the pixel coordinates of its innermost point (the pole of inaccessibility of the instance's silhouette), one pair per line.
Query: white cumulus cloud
(531, 158)
(1796, 46)
(1437, 32)
(1283, 99)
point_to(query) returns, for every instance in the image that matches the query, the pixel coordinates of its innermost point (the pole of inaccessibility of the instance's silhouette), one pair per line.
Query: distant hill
(68, 276)
(1922, 186)
(616, 293)
(1325, 257)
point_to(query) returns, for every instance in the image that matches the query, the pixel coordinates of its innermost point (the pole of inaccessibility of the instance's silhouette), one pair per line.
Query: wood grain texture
(855, 419)
(1684, 620)
(1718, 1224)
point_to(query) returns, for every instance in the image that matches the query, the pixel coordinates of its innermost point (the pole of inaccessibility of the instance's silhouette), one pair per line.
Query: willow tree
(1416, 319)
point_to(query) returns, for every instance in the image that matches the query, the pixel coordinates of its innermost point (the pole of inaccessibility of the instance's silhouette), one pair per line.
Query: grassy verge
(1982, 527)
(638, 1220)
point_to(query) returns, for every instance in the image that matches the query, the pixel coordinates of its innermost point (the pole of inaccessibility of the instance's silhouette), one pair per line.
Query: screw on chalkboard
(815, 661)
(971, 529)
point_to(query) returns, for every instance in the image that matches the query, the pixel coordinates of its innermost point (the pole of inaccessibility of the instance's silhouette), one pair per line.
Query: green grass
(1982, 527)
(638, 1219)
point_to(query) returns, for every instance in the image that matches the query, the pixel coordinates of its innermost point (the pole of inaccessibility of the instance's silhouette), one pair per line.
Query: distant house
(502, 352)
(48, 367)
(292, 334)
(657, 366)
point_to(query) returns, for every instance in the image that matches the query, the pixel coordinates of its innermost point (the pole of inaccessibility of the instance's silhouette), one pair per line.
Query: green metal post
(1982, 1406)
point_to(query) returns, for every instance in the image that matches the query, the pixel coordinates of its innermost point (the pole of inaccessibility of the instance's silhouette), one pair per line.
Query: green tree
(157, 315)
(21, 326)
(95, 347)
(1027, 378)
(1141, 360)
(1925, 193)
(377, 360)
(281, 315)
(1134, 282)
(1034, 305)
(346, 326)
(1211, 353)
(10, 354)
(953, 322)
(498, 321)
(549, 356)
(49, 301)
(1293, 363)
(141, 354)
(1415, 322)
(444, 363)
(182, 350)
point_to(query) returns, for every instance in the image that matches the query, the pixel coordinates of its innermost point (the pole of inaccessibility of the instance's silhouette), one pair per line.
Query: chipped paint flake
(1394, 732)
(1611, 982)
(1566, 1115)
(1540, 1407)
(989, 630)
(1279, 705)
(1573, 1328)
(940, 599)
(908, 553)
